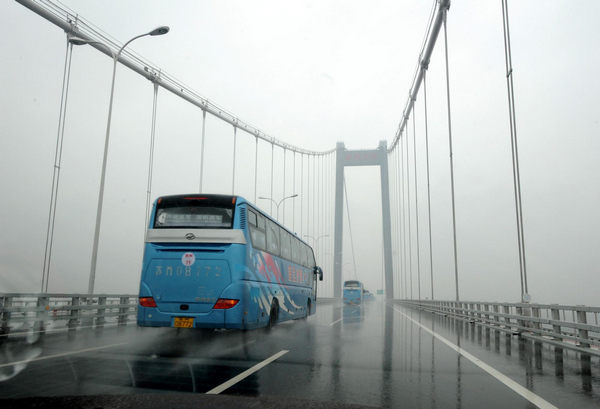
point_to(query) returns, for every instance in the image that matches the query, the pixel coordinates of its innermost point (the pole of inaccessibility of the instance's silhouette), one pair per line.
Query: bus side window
(286, 251)
(295, 250)
(261, 222)
(311, 258)
(252, 218)
(258, 235)
(272, 238)
(303, 255)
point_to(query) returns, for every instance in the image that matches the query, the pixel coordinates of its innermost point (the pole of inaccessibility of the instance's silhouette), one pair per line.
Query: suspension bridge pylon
(375, 157)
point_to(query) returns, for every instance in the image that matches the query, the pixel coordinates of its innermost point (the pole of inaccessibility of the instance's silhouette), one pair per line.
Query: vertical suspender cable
(392, 210)
(272, 162)
(428, 182)
(284, 195)
(399, 226)
(56, 172)
(392, 181)
(234, 151)
(398, 267)
(294, 188)
(321, 196)
(151, 158)
(451, 159)
(202, 148)
(350, 229)
(302, 195)
(515, 151)
(255, 168)
(403, 221)
(314, 198)
(319, 199)
(322, 183)
(410, 265)
(417, 208)
(330, 189)
(396, 211)
(308, 196)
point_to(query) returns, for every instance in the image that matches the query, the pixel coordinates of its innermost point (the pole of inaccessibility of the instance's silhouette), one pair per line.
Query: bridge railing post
(100, 320)
(537, 327)
(583, 332)
(555, 326)
(123, 311)
(524, 322)
(486, 307)
(506, 310)
(41, 315)
(496, 317)
(5, 302)
(74, 320)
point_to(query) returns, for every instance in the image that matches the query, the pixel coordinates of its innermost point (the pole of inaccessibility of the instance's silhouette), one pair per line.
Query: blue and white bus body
(215, 277)
(353, 292)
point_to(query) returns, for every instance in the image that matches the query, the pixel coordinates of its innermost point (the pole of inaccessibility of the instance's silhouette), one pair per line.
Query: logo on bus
(190, 236)
(188, 259)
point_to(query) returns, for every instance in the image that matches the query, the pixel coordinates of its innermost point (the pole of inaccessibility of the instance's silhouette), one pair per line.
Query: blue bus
(353, 292)
(218, 262)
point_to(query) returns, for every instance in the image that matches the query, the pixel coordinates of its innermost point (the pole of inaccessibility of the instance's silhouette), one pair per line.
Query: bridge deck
(375, 355)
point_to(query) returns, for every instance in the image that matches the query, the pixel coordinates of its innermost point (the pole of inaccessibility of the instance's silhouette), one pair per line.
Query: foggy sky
(312, 73)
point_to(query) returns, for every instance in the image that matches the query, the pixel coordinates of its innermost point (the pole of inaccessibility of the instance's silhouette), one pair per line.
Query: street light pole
(277, 204)
(78, 41)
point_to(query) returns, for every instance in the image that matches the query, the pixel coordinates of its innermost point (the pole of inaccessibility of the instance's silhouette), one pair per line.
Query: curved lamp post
(316, 240)
(277, 204)
(80, 41)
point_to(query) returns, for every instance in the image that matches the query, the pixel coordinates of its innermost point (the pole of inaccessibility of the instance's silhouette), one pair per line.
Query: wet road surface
(375, 355)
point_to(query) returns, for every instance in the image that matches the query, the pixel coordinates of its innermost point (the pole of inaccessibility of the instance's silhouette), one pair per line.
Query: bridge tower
(376, 157)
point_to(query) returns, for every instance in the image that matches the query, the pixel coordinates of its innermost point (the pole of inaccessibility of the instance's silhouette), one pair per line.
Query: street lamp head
(294, 195)
(76, 40)
(159, 31)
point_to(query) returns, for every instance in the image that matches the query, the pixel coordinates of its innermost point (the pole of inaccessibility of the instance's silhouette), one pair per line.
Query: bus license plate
(182, 322)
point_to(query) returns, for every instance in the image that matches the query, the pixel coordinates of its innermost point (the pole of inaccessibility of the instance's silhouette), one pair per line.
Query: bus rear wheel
(308, 306)
(273, 315)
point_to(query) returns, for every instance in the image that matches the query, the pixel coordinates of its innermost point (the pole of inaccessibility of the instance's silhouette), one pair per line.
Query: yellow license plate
(181, 322)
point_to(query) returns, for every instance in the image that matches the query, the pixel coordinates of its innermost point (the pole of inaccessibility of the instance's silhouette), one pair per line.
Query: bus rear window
(195, 217)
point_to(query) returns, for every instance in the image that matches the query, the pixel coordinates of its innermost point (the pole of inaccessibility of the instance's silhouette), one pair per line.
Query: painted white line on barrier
(59, 355)
(245, 374)
(49, 331)
(524, 392)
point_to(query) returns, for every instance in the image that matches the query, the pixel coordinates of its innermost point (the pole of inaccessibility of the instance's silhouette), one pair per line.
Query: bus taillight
(147, 302)
(225, 304)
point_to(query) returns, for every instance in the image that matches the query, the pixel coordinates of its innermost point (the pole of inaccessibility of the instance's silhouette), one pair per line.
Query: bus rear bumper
(214, 319)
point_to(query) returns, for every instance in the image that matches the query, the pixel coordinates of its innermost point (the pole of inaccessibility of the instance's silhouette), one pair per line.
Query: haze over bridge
(429, 257)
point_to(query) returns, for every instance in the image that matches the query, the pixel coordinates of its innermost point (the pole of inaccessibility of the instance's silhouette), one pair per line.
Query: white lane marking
(245, 374)
(59, 355)
(335, 322)
(524, 392)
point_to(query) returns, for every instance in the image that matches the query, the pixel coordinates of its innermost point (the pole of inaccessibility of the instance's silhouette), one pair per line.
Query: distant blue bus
(217, 261)
(353, 292)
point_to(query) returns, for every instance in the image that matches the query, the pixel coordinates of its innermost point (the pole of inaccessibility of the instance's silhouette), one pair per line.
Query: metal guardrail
(569, 327)
(24, 313)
